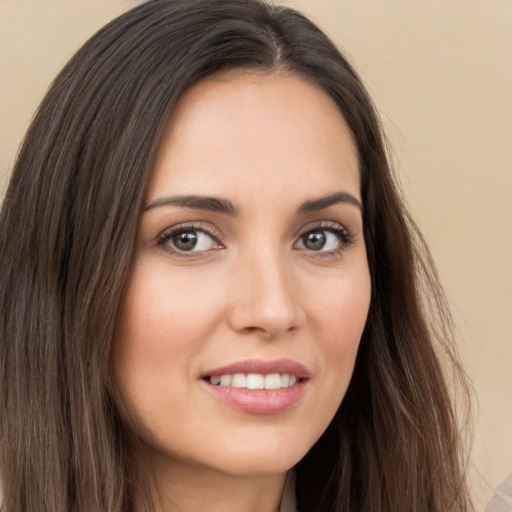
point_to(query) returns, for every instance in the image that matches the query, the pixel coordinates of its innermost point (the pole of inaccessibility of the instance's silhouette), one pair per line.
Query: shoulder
(501, 500)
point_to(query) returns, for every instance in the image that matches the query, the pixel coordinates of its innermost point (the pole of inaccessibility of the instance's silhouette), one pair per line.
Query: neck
(189, 488)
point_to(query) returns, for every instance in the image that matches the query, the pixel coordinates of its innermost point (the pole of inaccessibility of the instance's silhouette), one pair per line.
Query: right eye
(188, 239)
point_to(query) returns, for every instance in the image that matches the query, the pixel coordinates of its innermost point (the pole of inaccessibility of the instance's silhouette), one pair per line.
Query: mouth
(258, 387)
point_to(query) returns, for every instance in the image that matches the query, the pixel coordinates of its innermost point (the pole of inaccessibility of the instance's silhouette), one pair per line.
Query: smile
(254, 380)
(258, 386)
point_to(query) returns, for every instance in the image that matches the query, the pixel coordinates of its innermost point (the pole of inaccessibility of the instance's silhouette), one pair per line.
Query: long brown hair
(67, 238)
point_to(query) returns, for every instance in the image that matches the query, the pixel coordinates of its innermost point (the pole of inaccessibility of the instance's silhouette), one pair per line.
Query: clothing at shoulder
(501, 500)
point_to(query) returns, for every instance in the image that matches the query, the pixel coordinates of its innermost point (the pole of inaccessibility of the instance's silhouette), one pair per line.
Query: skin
(252, 288)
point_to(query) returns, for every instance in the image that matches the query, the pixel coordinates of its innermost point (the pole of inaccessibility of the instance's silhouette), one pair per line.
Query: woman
(210, 279)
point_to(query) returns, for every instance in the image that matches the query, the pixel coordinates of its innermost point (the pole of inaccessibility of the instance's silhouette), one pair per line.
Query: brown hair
(67, 239)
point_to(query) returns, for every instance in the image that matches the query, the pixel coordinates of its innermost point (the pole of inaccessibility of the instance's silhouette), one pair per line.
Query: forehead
(246, 129)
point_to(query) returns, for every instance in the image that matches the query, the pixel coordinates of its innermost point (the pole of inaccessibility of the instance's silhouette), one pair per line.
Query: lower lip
(259, 401)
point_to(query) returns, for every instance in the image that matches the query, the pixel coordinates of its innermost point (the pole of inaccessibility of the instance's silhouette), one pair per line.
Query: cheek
(346, 320)
(163, 324)
(341, 313)
(163, 312)
(341, 308)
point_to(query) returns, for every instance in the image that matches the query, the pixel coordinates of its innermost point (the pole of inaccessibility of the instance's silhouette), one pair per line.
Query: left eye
(321, 240)
(189, 240)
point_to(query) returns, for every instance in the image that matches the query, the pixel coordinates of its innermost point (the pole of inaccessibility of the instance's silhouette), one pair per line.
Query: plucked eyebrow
(218, 205)
(210, 204)
(325, 202)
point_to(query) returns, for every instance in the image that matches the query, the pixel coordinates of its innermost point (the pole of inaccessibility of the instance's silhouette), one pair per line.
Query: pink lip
(260, 401)
(263, 367)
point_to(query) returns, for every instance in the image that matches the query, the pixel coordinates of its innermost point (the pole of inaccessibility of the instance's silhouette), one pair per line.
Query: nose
(265, 296)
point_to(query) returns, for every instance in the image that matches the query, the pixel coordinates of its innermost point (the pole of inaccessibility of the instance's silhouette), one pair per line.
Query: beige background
(440, 73)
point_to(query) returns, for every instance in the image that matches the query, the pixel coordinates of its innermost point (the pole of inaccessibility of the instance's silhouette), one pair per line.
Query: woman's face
(240, 326)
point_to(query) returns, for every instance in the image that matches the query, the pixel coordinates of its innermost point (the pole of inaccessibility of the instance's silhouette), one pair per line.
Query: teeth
(239, 380)
(273, 381)
(225, 380)
(255, 380)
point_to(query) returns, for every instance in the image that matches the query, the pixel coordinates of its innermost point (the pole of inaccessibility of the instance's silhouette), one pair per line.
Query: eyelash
(344, 236)
(165, 237)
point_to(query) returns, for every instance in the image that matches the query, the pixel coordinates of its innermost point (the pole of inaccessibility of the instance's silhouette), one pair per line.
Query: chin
(266, 455)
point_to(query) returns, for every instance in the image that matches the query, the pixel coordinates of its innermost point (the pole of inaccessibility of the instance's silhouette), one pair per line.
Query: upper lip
(261, 366)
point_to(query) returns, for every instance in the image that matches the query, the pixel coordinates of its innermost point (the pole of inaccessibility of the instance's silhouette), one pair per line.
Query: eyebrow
(325, 202)
(210, 204)
(218, 205)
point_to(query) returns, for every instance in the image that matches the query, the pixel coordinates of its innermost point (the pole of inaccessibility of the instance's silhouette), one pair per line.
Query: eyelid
(327, 225)
(200, 226)
(347, 238)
